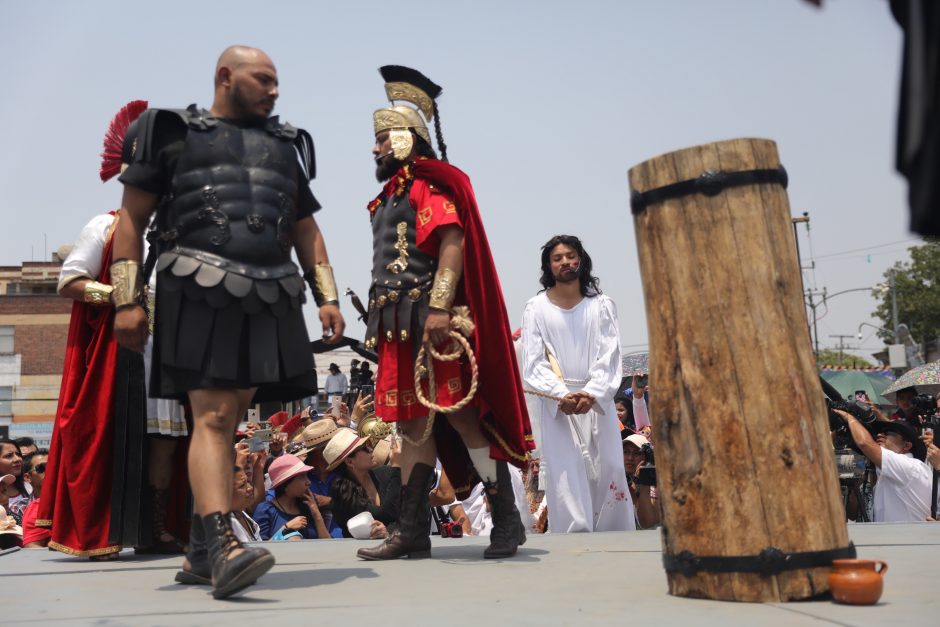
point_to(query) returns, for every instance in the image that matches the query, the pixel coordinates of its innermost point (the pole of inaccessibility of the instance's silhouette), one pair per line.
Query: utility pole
(804, 219)
(894, 304)
(841, 345)
(811, 302)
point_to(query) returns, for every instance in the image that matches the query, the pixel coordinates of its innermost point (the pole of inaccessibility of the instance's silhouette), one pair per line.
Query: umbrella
(847, 382)
(925, 378)
(636, 363)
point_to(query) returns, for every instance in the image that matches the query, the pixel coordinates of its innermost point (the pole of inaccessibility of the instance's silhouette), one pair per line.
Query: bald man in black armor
(230, 188)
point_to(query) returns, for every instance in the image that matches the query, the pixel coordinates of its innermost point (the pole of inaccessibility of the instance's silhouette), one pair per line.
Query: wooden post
(743, 454)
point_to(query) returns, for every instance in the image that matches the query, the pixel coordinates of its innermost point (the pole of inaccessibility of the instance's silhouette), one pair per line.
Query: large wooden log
(743, 454)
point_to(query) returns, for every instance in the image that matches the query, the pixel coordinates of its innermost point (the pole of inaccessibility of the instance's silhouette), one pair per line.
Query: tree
(917, 290)
(832, 357)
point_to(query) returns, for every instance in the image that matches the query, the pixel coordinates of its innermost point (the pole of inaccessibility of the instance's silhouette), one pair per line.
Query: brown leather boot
(508, 531)
(413, 537)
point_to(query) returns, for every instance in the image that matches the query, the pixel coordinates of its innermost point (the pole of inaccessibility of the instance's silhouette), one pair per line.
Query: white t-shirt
(241, 533)
(903, 491)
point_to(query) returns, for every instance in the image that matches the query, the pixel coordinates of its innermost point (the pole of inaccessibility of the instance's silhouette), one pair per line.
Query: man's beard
(567, 277)
(386, 166)
(243, 106)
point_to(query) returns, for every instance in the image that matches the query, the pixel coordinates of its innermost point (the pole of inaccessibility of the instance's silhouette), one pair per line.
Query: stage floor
(603, 578)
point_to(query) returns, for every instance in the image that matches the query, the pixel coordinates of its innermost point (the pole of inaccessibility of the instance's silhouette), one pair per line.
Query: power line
(866, 248)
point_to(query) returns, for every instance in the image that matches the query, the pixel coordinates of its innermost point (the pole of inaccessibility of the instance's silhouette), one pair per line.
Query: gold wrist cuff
(324, 285)
(97, 294)
(127, 281)
(444, 289)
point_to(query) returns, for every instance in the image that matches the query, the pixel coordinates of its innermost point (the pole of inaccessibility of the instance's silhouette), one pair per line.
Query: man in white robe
(571, 352)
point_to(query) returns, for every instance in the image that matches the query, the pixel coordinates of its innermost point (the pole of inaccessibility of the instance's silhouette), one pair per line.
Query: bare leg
(215, 415)
(410, 454)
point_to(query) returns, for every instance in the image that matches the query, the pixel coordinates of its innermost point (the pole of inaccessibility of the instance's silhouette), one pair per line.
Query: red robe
(500, 400)
(78, 506)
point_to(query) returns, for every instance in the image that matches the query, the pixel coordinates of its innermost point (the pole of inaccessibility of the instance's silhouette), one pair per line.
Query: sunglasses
(40, 468)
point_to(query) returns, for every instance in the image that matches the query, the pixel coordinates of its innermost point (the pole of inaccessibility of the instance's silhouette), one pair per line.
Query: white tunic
(582, 455)
(165, 417)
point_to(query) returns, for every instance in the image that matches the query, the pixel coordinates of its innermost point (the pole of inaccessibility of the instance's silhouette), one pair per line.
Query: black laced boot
(508, 532)
(413, 537)
(232, 574)
(200, 570)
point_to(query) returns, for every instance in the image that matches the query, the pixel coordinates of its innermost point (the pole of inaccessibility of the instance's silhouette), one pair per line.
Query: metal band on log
(751, 507)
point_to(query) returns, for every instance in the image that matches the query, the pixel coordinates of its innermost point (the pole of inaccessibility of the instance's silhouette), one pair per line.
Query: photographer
(913, 408)
(902, 493)
(642, 483)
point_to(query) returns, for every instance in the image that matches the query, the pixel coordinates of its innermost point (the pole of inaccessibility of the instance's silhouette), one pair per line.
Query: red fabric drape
(77, 505)
(502, 404)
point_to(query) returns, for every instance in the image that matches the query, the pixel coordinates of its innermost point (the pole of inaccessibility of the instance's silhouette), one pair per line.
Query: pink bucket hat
(285, 468)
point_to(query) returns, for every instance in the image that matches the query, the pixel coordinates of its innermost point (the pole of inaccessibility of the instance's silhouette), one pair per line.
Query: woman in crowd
(292, 512)
(11, 463)
(360, 486)
(243, 498)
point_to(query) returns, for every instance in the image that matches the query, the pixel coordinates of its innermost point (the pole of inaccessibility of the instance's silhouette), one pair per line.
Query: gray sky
(546, 105)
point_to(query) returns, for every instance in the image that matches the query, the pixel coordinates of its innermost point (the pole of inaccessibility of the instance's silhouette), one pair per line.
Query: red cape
(76, 500)
(503, 412)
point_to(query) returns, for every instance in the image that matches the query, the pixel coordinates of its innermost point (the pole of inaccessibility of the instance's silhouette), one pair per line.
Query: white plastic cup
(360, 526)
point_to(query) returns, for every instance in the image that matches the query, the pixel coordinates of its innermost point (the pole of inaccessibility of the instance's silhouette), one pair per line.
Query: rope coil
(461, 328)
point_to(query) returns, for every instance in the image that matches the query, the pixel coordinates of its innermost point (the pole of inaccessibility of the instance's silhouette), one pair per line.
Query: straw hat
(316, 434)
(285, 468)
(8, 523)
(382, 451)
(344, 443)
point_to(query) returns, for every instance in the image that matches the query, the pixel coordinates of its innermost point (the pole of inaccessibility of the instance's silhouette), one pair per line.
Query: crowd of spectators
(317, 473)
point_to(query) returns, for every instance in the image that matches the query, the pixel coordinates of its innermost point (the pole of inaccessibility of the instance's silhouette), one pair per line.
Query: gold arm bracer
(444, 289)
(323, 285)
(97, 294)
(128, 283)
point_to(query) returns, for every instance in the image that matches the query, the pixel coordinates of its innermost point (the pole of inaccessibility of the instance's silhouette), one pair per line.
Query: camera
(924, 405)
(451, 530)
(862, 412)
(446, 524)
(850, 464)
(647, 472)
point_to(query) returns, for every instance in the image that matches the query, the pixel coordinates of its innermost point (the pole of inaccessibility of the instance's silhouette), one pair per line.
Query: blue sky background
(546, 105)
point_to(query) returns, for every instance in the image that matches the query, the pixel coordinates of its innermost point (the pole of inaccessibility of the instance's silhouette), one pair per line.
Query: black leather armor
(227, 218)
(402, 274)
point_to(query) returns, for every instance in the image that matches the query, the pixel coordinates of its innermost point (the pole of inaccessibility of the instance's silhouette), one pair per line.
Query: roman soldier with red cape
(433, 275)
(95, 488)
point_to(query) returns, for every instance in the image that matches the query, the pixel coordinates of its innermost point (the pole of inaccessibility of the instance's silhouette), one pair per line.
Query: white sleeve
(605, 372)
(85, 258)
(536, 371)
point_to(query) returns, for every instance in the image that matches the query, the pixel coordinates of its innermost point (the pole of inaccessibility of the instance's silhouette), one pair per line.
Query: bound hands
(333, 323)
(576, 403)
(130, 328)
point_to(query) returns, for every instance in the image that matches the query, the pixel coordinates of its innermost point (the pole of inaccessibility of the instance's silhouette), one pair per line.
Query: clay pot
(857, 582)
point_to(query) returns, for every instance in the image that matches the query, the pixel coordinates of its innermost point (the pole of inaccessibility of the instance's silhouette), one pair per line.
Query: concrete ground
(603, 578)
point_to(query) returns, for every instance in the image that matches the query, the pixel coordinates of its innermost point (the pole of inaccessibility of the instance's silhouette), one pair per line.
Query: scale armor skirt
(208, 337)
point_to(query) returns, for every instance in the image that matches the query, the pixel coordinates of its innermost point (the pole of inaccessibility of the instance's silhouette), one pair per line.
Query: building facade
(34, 323)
